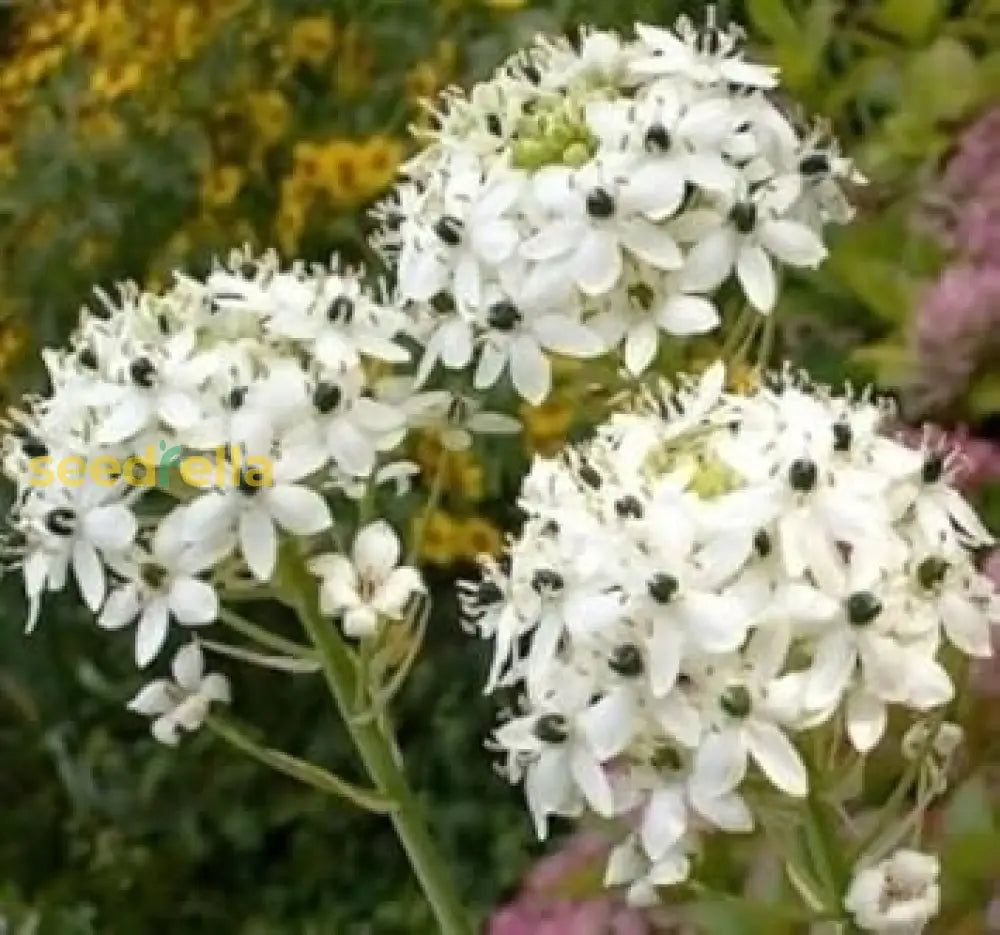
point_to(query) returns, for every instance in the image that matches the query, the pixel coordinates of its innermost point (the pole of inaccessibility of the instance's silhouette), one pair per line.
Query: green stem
(887, 814)
(308, 773)
(298, 588)
(265, 637)
(433, 499)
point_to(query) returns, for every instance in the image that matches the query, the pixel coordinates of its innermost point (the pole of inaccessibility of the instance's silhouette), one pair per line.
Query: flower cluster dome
(591, 195)
(709, 577)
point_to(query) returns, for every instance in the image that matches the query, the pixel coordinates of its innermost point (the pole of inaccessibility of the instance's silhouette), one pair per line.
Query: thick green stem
(298, 588)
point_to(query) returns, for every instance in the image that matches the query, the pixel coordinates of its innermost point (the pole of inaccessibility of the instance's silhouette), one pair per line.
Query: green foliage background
(101, 830)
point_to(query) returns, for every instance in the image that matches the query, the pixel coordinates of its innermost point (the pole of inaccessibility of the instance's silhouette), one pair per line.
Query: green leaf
(942, 82)
(774, 20)
(882, 285)
(910, 19)
(970, 810)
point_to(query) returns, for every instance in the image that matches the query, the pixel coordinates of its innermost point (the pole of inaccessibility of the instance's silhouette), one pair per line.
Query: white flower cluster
(185, 433)
(710, 576)
(590, 196)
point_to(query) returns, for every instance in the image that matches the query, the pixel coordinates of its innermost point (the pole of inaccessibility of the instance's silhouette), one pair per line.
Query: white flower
(676, 141)
(897, 896)
(564, 746)
(942, 513)
(72, 527)
(517, 330)
(342, 426)
(588, 217)
(184, 702)
(340, 323)
(744, 724)
(455, 418)
(164, 584)
(368, 586)
(254, 509)
(155, 387)
(472, 233)
(753, 230)
(645, 303)
(705, 54)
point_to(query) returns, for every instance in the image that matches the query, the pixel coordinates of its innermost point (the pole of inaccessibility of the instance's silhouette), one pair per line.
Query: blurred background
(142, 136)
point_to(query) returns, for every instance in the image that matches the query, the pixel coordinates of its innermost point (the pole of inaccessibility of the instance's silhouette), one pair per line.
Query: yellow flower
(221, 185)
(439, 537)
(378, 160)
(111, 81)
(311, 40)
(545, 426)
(269, 113)
(187, 32)
(478, 536)
(470, 481)
(341, 172)
(506, 6)
(307, 163)
(553, 417)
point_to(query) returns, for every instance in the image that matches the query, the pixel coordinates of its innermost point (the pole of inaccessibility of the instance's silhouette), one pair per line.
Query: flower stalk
(377, 751)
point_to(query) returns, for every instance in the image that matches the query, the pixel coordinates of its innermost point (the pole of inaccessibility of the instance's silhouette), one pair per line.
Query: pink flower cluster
(972, 184)
(546, 904)
(958, 323)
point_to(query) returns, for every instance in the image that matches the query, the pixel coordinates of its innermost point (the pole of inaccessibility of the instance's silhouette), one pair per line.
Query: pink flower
(543, 907)
(958, 327)
(971, 186)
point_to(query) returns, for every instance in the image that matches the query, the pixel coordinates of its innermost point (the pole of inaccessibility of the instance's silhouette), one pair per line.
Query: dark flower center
(736, 701)
(931, 572)
(802, 475)
(503, 315)
(551, 728)
(443, 303)
(590, 476)
(842, 436)
(237, 397)
(628, 507)
(667, 760)
(744, 216)
(341, 310)
(154, 575)
(642, 294)
(933, 469)
(815, 164)
(762, 543)
(327, 397)
(657, 139)
(251, 481)
(449, 230)
(34, 448)
(626, 660)
(88, 359)
(142, 372)
(493, 125)
(862, 608)
(600, 204)
(488, 593)
(662, 588)
(546, 580)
